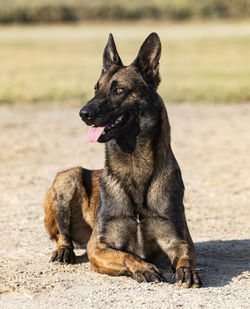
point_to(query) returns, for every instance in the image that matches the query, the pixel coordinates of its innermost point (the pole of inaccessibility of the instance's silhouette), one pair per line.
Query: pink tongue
(95, 133)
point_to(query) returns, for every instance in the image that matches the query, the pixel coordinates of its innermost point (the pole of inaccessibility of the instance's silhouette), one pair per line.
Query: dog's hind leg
(50, 221)
(64, 214)
(57, 223)
(113, 262)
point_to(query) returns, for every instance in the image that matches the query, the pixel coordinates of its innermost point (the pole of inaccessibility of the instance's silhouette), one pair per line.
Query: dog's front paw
(187, 278)
(63, 255)
(152, 274)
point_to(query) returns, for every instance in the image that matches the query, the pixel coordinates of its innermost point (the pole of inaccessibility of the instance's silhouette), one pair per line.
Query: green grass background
(201, 62)
(52, 11)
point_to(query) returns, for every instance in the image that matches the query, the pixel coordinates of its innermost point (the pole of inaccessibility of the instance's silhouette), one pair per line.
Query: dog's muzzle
(87, 115)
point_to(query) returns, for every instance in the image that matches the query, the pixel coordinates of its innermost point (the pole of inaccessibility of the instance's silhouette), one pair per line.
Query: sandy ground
(212, 145)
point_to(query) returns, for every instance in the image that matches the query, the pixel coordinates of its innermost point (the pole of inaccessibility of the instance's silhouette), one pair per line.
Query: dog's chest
(134, 173)
(129, 234)
(128, 184)
(136, 186)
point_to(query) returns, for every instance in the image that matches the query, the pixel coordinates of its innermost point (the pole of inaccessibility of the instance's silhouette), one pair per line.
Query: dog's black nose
(86, 114)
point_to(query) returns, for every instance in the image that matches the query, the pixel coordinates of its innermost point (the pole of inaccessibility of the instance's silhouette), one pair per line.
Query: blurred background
(50, 59)
(51, 51)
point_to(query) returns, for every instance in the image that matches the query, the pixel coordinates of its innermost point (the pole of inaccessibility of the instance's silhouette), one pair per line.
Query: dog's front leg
(113, 262)
(173, 237)
(169, 227)
(182, 257)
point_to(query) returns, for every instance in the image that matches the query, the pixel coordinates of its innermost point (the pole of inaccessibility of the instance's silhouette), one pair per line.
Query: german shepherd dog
(130, 213)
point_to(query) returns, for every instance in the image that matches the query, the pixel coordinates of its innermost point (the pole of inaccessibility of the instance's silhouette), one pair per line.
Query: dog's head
(124, 95)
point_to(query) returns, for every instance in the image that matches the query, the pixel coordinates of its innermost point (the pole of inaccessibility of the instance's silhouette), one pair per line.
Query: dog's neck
(143, 152)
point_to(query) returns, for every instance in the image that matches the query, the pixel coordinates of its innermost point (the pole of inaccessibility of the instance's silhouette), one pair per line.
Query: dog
(131, 212)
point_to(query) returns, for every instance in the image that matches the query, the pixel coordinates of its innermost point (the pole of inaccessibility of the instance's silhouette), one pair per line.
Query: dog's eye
(119, 90)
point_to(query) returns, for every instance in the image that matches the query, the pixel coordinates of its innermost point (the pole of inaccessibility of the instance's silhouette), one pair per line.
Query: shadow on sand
(222, 260)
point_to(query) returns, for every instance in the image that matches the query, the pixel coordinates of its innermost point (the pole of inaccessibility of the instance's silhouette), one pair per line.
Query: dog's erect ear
(147, 60)
(110, 54)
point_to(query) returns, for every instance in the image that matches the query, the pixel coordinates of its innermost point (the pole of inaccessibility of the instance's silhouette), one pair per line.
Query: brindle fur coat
(131, 213)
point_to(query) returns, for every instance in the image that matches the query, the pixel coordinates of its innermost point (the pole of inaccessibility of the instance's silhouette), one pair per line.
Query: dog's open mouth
(96, 132)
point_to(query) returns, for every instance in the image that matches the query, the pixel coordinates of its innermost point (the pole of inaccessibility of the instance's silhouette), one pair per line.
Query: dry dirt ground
(212, 145)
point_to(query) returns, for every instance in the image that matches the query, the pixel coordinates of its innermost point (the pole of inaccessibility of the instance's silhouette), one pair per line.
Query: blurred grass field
(60, 11)
(201, 62)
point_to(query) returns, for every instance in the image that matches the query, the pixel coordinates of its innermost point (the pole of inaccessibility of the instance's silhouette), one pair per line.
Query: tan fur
(50, 216)
(140, 200)
(82, 206)
(108, 261)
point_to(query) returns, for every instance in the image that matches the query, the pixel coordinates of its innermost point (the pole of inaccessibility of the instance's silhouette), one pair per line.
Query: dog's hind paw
(187, 278)
(63, 255)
